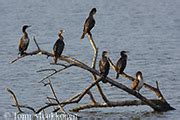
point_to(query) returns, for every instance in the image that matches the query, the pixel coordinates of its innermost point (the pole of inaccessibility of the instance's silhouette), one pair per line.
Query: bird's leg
(55, 60)
(89, 33)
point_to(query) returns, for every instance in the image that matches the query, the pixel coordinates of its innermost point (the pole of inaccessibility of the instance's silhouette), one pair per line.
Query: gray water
(148, 29)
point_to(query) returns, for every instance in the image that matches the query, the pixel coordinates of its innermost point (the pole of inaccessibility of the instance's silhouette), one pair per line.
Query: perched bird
(24, 41)
(89, 23)
(121, 63)
(138, 83)
(58, 46)
(104, 66)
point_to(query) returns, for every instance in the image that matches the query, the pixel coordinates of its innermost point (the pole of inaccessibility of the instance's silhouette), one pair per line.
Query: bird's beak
(127, 51)
(29, 26)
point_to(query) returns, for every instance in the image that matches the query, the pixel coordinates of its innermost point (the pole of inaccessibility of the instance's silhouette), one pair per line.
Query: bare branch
(50, 98)
(155, 90)
(91, 96)
(159, 92)
(55, 71)
(95, 51)
(113, 104)
(36, 43)
(100, 90)
(72, 99)
(59, 64)
(54, 94)
(15, 100)
(43, 70)
(94, 66)
(34, 53)
(50, 101)
(87, 89)
(25, 106)
(160, 107)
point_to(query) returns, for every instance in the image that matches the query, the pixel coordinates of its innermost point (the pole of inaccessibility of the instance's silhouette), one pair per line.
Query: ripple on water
(149, 30)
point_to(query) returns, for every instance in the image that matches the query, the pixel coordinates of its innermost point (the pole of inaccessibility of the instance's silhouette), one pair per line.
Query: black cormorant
(121, 63)
(24, 41)
(89, 23)
(138, 83)
(104, 66)
(58, 46)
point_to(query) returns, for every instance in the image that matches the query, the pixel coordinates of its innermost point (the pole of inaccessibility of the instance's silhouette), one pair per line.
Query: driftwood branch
(95, 51)
(94, 66)
(161, 106)
(55, 71)
(15, 100)
(55, 97)
(25, 106)
(113, 104)
(36, 43)
(91, 97)
(112, 82)
(74, 99)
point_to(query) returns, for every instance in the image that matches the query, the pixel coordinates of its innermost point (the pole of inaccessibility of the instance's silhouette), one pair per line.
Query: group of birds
(104, 64)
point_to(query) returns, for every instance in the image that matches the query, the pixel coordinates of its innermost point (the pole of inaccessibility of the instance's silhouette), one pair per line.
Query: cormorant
(138, 83)
(121, 63)
(24, 41)
(58, 46)
(104, 66)
(89, 23)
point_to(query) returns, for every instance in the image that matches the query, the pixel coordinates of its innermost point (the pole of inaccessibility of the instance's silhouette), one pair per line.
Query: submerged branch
(164, 106)
(113, 104)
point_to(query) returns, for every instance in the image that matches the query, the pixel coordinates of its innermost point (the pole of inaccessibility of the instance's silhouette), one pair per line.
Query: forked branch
(163, 106)
(15, 100)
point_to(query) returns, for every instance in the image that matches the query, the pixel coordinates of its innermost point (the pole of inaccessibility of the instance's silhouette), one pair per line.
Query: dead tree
(159, 104)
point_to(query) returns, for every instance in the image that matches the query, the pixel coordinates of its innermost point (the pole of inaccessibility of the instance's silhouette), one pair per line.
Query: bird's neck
(104, 57)
(139, 78)
(90, 15)
(124, 56)
(60, 37)
(25, 34)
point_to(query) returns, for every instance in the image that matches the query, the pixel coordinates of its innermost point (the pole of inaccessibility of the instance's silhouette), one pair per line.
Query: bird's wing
(89, 24)
(55, 46)
(100, 66)
(92, 23)
(107, 67)
(26, 43)
(21, 44)
(134, 84)
(121, 64)
(58, 46)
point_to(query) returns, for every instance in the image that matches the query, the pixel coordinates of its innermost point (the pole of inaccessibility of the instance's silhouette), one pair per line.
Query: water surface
(148, 29)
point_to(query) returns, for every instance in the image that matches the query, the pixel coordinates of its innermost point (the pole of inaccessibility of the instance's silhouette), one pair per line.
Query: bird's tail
(82, 36)
(20, 53)
(117, 75)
